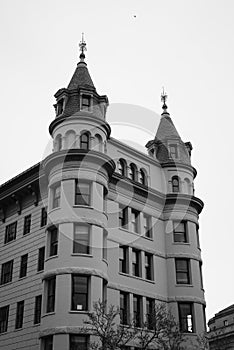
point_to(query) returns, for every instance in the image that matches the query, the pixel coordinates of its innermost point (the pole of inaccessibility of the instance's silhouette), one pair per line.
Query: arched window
(143, 177)
(175, 184)
(122, 167)
(187, 185)
(58, 143)
(133, 172)
(70, 139)
(84, 140)
(98, 143)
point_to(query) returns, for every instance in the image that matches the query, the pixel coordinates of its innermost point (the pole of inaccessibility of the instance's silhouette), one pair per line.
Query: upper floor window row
(133, 220)
(185, 186)
(132, 172)
(85, 140)
(11, 229)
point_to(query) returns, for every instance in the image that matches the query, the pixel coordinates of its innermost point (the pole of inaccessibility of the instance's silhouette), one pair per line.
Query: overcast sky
(134, 48)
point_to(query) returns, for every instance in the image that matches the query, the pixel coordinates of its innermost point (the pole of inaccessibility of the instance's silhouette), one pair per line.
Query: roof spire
(164, 99)
(83, 48)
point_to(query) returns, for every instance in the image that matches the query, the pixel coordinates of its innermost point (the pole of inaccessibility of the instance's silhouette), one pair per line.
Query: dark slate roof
(166, 129)
(81, 77)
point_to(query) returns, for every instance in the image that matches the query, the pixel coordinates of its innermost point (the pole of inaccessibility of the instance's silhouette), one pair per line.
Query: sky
(134, 49)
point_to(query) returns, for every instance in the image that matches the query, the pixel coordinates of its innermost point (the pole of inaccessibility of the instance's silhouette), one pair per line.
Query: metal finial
(164, 99)
(83, 48)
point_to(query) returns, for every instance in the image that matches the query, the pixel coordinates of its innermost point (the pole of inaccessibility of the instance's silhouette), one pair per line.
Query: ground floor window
(78, 342)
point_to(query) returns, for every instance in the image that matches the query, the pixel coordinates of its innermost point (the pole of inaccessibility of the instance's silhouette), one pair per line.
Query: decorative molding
(74, 270)
(18, 203)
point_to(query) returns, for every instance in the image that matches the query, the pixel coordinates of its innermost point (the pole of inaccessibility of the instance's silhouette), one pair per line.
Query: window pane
(78, 342)
(186, 317)
(79, 292)
(82, 195)
(81, 239)
(4, 312)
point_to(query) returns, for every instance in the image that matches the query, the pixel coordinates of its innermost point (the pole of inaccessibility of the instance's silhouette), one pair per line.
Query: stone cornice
(78, 116)
(186, 200)
(62, 157)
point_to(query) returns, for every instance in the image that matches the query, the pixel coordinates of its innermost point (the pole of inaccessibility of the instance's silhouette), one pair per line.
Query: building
(221, 330)
(98, 219)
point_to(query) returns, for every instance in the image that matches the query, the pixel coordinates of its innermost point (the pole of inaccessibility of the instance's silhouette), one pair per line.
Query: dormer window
(173, 151)
(86, 102)
(60, 106)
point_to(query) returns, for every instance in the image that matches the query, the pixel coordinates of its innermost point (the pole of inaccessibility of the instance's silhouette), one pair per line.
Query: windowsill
(26, 234)
(41, 271)
(48, 314)
(82, 206)
(78, 311)
(82, 254)
(13, 240)
(18, 329)
(22, 278)
(5, 284)
(5, 332)
(136, 277)
(179, 243)
(184, 285)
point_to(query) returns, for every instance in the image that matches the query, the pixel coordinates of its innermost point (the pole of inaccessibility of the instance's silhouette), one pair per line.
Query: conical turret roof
(166, 129)
(81, 78)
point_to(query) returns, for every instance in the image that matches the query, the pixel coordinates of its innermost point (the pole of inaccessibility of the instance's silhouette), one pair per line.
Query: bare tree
(160, 331)
(103, 324)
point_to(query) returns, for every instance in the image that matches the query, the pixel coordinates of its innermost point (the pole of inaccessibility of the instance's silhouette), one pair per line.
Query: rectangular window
(78, 342)
(6, 275)
(136, 262)
(43, 217)
(149, 266)
(182, 271)
(53, 241)
(150, 313)
(41, 259)
(200, 269)
(51, 286)
(137, 310)
(173, 151)
(104, 246)
(37, 309)
(147, 226)
(4, 312)
(27, 224)
(10, 233)
(48, 342)
(135, 214)
(124, 308)
(180, 232)
(123, 259)
(56, 196)
(81, 239)
(197, 234)
(186, 317)
(23, 265)
(80, 292)
(19, 315)
(86, 102)
(82, 193)
(123, 216)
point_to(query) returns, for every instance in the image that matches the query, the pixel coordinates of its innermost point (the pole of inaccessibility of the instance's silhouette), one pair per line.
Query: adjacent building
(97, 219)
(221, 330)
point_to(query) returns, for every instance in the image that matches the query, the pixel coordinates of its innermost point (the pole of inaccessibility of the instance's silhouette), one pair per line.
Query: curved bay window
(85, 140)
(175, 184)
(133, 172)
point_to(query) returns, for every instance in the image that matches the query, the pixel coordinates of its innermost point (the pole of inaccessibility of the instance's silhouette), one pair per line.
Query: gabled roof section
(81, 78)
(166, 129)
